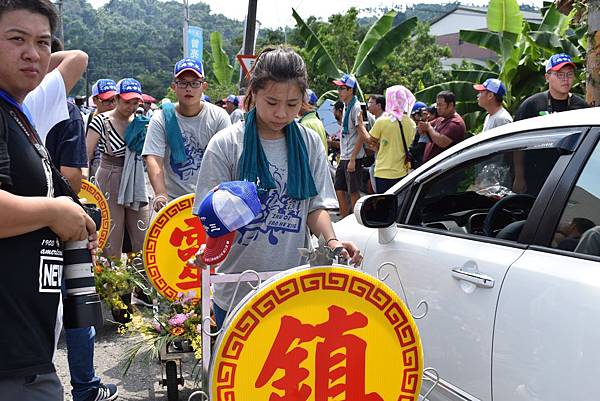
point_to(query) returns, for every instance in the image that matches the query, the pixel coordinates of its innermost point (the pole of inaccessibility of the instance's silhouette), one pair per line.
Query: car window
(578, 229)
(479, 196)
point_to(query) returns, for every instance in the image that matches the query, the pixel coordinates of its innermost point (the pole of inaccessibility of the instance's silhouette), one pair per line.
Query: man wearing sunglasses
(560, 75)
(179, 133)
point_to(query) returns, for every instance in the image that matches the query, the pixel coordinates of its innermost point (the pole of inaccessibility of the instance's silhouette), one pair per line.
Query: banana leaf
(221, 68)
(487, 40)
(320, 58)
(376, 32)
(462, 89)
(476, 76)
(553, 43)
(504, 16)
(384, 46)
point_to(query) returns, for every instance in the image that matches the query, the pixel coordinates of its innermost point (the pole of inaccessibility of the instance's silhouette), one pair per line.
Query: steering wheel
(505, 206)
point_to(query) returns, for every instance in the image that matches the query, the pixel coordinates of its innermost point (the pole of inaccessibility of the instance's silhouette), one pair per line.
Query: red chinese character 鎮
(340, 360)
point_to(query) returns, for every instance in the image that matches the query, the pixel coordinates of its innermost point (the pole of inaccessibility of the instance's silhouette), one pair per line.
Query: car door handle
(480, 280)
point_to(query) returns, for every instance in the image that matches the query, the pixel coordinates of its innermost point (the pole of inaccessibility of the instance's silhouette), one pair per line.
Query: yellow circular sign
(93, 195)
(173, 238)
(317, 334)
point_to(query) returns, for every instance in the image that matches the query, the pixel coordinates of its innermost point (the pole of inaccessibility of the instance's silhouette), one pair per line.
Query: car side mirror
(376, 211)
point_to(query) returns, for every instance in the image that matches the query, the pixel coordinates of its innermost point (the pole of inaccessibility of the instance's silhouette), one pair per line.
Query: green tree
(337, 41)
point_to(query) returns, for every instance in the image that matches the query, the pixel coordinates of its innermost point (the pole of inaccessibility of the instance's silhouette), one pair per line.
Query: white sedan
(511, 278)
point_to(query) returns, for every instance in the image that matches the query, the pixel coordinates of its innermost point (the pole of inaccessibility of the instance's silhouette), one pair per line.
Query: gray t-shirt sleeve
(156, 139)
(223, 120)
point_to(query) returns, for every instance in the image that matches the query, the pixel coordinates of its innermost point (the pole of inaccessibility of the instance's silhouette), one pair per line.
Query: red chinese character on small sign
(188, 243)
(340, 361)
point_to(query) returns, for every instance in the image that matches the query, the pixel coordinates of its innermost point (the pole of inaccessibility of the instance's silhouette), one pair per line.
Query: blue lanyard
(22, 108)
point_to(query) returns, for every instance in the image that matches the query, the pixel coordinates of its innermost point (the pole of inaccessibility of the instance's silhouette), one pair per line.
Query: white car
(511, 281)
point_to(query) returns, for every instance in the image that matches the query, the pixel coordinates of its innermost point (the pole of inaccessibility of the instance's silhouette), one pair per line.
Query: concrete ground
(141, 381)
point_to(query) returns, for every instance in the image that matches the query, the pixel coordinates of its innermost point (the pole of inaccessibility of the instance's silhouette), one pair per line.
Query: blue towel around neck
(347, 115)
(135, 135)
(174, 135)
(254, 165)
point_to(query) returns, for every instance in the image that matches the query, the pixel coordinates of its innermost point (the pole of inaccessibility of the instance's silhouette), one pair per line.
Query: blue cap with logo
(189, 64)
(232, 99)
(493, 85)
(104, 89)
(225, 209)
(558, 61)
(346, 80)
(129, 88)
(311, 97)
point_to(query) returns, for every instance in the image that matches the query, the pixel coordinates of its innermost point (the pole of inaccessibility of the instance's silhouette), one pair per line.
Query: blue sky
(277, 13)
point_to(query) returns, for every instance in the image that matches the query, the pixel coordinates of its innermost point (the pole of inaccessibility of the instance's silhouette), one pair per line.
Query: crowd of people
(143, 157)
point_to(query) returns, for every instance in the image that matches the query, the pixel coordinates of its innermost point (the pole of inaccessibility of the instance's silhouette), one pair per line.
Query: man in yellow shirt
(391, 163)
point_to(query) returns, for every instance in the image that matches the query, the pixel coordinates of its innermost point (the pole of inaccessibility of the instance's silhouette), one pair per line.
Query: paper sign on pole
(247, 62)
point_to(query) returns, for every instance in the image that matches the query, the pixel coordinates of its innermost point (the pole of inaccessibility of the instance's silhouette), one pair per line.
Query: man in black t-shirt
(560, 74)
(33, 222)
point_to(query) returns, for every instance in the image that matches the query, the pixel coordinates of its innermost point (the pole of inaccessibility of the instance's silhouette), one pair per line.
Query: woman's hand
(350, 251)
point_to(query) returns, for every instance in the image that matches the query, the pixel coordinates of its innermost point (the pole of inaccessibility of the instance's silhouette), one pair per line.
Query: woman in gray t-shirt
(288, 164)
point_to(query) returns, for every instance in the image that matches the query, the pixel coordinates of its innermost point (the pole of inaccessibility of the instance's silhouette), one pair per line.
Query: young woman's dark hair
(280, 64)
(43, 7)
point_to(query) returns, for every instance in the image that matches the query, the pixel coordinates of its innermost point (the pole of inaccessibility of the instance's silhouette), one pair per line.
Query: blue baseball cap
(232, 99)
(493, 85)
(346, 80)
(129, 88)
(206, 98)
(228, 207)
(104, 89)
(558, 61)
(189, 64)
(418, 106)
(311, 97)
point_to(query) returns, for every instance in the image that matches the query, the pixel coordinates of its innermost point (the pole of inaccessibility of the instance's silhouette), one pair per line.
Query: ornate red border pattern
(333, 281)
(150, 245)
(103, 206)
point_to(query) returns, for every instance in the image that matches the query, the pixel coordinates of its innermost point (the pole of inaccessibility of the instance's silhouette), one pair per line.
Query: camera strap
(35, 141)
(406, 154)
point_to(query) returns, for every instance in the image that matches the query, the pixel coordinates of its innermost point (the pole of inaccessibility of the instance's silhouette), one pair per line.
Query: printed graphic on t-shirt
(279, 213)
(194, 154)
(50, 275)
(51, 265)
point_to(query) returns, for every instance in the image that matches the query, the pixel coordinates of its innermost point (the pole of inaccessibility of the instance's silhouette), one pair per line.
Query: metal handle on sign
(480, 280)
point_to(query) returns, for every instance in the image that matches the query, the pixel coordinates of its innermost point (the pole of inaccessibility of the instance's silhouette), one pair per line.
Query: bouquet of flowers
(115, 281)
(179, 322)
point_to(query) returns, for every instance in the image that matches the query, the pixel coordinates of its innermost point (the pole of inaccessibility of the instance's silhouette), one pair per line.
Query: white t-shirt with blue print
(180, 178)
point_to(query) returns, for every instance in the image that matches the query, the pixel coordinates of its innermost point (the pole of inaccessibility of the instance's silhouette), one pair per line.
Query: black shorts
(346, 181)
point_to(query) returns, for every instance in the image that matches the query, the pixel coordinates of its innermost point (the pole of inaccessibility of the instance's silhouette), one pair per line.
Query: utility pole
(186, 24)
(249, 35)
(61, 31)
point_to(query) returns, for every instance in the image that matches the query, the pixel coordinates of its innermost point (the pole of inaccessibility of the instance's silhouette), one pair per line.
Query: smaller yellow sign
(315, 334)
(173, 238)
(93, 196)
